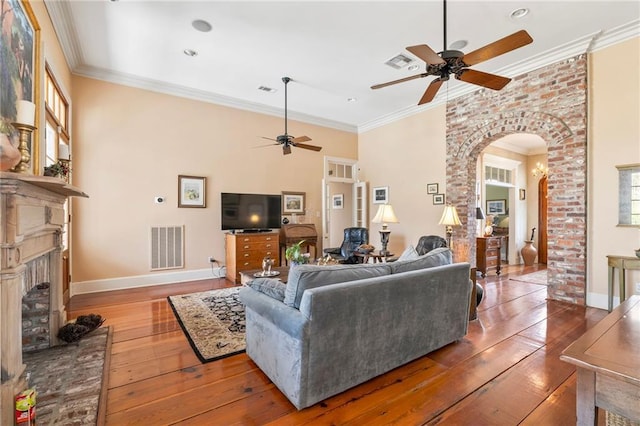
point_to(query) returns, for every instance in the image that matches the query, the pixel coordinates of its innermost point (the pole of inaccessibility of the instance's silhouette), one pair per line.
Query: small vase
(9, 154)
(529, 253)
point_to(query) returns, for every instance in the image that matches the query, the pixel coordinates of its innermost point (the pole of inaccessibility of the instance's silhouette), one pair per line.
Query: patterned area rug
(213, 322)
(538, 277)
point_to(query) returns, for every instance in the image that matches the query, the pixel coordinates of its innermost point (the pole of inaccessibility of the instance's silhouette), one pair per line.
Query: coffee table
(608, 365)
(377, 257)
(248, 275)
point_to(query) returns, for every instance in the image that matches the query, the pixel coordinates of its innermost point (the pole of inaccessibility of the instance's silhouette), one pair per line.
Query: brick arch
(555, 111)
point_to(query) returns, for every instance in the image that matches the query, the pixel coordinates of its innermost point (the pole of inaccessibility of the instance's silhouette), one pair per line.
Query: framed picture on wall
(438, 199)
(432, 188)
(293, 202)
(381, 195)
(496, 206)
(21, 33)
(337, 201)
(191, 191)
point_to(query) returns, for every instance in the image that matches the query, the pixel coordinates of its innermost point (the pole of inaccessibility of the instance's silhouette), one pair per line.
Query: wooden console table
(622, 263)
(608, 366)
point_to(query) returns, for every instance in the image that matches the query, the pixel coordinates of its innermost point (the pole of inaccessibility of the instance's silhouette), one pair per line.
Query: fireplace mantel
(32, 218)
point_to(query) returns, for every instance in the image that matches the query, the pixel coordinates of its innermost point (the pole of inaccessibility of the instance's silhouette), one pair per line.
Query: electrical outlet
(211, 259)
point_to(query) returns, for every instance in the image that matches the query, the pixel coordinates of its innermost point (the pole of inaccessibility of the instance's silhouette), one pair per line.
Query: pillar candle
(26, 113)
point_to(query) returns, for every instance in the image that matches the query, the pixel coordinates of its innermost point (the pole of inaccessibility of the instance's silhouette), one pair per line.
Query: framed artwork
(438, 199)
(293, 202)
(19, 66)
(192, 191)
(523, 194)
(432, 188)
(496, 206)
(337, 201)
(381, 195)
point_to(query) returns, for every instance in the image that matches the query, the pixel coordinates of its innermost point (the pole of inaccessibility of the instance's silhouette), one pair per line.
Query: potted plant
(295, 256)
(61, 168)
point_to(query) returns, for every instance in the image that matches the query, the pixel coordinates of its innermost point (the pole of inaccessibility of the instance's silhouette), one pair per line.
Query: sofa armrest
(332, 250)
(288, 319)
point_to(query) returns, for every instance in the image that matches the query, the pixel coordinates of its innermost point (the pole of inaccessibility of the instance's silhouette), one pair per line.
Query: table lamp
(450, 219)
(385, 215)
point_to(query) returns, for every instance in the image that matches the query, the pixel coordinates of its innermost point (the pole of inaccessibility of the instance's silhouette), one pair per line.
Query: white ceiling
(331, 50)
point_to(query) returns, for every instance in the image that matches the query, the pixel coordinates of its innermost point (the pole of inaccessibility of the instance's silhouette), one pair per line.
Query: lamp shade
(480, 213)
(450, 216)
(385, 215)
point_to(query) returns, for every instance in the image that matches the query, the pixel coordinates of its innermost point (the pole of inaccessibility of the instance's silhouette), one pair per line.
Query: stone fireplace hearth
(32, 218)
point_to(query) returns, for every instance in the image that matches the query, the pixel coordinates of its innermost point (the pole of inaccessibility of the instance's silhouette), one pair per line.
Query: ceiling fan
(286, 140)
(455, 62)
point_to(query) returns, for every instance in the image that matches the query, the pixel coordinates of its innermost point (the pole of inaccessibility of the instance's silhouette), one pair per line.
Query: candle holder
(25, 131)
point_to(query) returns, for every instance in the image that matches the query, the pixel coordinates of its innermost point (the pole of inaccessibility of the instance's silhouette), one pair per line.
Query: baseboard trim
(601, 301)
(123, 283)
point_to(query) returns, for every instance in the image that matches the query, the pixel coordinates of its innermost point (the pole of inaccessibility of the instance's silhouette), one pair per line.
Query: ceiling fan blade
(271, 139)
(402, 80)
(431, 91)
(305, 146)
(426, 53)
(497, 48)
(483, 79)
(264, 146)
(301, 139)
(286, 149)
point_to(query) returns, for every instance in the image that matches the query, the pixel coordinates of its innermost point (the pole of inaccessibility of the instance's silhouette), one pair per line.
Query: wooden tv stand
(246, 250)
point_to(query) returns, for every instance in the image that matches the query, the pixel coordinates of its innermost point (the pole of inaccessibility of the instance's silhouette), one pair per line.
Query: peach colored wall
(405, 156)
(131, 145)
(614, 135)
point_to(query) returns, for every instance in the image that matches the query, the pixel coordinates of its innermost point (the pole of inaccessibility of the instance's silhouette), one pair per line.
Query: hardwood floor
(506, 371)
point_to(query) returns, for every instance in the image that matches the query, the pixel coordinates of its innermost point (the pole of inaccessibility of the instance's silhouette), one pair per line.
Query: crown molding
(204, 96)
(61, 18)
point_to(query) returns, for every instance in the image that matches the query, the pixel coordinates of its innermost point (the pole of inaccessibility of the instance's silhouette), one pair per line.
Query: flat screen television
(250, 212)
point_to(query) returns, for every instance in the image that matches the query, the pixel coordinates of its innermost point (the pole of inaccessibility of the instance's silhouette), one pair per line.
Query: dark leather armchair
(429, 242)
(353, 237)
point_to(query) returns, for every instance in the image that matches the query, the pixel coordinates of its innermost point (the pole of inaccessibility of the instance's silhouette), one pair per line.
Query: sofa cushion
(436, 257)
(269, 286)
(303, 277)
(409, 253)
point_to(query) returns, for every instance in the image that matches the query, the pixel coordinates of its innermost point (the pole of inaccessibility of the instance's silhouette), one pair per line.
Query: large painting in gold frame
(19, 67)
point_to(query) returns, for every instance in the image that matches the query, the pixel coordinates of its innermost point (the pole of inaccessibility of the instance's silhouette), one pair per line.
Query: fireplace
(32, 212)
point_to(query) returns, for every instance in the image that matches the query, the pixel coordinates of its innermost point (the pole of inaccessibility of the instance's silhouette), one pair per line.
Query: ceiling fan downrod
(286, 81)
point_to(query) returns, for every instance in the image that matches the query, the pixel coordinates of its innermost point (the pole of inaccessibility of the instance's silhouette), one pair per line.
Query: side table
(622, 263)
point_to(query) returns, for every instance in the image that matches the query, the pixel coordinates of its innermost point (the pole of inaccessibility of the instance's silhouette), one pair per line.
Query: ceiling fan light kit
(286, 140)
(448, 62)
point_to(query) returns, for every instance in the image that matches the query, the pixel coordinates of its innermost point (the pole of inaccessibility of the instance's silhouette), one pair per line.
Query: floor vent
(167, 247)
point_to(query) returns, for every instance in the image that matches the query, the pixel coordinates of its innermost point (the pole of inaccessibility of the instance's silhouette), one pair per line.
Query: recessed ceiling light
(351, 99)
(519, 13)
(201, 25)
(413, 67)
(459, 44)
(190, 52)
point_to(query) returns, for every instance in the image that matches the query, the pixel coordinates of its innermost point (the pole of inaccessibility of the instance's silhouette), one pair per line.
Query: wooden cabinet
(488, 254)
(246, 250)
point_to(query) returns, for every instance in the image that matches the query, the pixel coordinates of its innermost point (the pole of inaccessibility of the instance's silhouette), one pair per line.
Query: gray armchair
(353, 237)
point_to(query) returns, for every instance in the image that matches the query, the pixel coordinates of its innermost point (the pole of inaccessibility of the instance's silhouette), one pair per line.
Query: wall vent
(167, 247)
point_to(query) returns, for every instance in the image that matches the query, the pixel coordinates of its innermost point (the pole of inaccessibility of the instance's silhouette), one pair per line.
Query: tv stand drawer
(246, 251)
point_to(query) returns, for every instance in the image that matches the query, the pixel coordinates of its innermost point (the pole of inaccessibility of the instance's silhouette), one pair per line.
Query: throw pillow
(303, 277)
(436, 257)
(269, 286)
(409, 253)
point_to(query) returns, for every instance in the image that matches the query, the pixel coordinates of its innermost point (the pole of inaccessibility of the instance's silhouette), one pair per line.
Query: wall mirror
(629, 195)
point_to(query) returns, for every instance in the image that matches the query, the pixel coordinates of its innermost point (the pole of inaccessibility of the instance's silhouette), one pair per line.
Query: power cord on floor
(221, 270)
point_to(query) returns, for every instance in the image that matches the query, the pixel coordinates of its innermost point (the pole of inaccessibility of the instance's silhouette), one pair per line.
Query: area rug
(538, 277)
(213, 322)
(71, 380)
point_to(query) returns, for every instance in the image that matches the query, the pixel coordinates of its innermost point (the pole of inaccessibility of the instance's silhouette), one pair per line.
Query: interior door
(542, 220)
(360, 205)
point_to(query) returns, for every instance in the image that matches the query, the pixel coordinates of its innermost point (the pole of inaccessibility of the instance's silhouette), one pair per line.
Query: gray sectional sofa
(334, 327)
